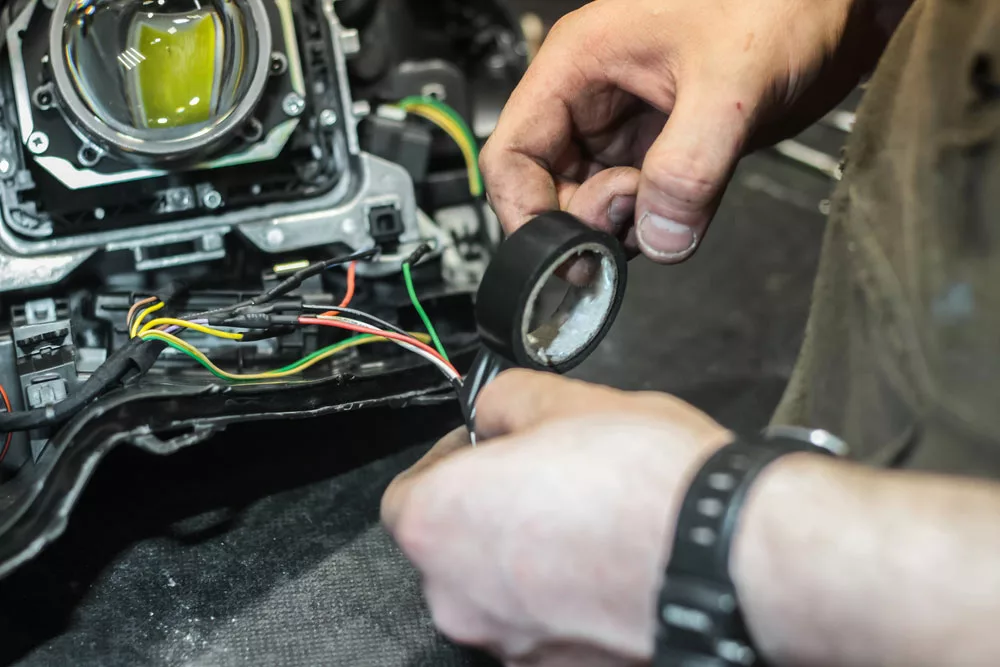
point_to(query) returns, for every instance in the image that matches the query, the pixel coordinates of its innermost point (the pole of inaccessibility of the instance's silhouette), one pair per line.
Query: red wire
(352, 272)
(375, 332)
(10, 436)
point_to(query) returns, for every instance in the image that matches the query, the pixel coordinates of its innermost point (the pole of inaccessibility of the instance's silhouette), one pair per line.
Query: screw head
(279, 63)
(211, 199)
(328, 118)
(99, 213)
(38, 142)
(6, 166)
(293, 104)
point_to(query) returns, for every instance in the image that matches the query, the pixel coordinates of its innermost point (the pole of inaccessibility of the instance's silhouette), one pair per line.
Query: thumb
(685, 173)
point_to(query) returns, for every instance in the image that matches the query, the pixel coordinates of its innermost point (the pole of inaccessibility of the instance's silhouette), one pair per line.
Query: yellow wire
(134, 331)
(442, 120)
(166, 337)
(200, 328)
(453, 130)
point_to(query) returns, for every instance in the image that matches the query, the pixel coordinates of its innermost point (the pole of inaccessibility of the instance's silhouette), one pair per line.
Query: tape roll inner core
(561, 318)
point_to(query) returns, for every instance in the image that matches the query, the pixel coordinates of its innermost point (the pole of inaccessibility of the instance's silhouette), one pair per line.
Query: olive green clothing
(902, 351)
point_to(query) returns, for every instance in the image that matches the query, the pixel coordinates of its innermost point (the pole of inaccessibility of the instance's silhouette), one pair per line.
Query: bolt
(211, 199)
(279, 63)
(293, 104)
(5, 166)
(99, 213)
(275, 238)
(42, 97)
(88, 155)
(38, 142)
(328, 118)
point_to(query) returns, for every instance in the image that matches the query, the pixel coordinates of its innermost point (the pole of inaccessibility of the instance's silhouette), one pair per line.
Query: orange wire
(10, 436)
(352, 272)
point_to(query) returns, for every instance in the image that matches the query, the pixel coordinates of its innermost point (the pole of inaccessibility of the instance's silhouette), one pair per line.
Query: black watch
(699, 618)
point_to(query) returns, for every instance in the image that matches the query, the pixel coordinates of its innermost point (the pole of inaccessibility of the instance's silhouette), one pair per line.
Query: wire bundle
(256, 322)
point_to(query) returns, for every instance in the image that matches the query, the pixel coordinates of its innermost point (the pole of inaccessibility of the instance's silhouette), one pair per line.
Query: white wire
(445, 368)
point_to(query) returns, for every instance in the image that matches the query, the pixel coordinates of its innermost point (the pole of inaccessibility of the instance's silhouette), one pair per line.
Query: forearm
(838, 564)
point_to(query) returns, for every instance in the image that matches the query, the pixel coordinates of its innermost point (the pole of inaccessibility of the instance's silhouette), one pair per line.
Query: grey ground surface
(263, 548)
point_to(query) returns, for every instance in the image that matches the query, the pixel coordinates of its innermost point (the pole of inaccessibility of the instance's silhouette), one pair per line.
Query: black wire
(358, 315)
(286, 285)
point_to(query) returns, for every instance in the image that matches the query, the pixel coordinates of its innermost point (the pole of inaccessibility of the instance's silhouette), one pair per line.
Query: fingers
(519, 400)
(534, 134)
(607, 200)
(686, 171)
(395, 496)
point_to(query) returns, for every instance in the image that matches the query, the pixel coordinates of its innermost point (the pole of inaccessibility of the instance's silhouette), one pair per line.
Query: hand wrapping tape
(548, 298)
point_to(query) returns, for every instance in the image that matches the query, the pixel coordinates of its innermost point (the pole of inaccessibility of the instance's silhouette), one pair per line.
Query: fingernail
(664, 239)
(621, 211)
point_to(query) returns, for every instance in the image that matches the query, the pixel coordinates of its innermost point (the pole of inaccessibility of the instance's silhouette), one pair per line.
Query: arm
(548, 544)
(839, 564)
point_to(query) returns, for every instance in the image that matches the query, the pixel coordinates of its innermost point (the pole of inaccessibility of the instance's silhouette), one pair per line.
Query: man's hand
(638, 110)
(547, 544)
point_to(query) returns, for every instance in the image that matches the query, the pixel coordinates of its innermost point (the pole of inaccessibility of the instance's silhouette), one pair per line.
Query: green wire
(449, 111)
(200, 361)
(290, 367)
(329, 348)
(408, 278)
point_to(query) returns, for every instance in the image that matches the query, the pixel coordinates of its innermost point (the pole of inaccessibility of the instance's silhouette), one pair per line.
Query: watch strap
(700, 623)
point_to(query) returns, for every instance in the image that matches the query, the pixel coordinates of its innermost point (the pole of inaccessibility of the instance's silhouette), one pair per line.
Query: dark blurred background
(264, 547)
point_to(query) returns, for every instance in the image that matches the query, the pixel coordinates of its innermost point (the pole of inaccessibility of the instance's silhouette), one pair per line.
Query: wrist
(781, 520)
(672, 469)
(701, 615)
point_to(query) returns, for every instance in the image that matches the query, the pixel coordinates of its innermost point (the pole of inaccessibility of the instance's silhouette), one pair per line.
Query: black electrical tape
(523, 261)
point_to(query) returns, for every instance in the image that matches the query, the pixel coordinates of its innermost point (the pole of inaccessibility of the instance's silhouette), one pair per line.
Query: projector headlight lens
(160, 78)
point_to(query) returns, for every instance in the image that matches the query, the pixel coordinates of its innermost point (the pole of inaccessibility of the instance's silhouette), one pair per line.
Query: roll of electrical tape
(516, 322)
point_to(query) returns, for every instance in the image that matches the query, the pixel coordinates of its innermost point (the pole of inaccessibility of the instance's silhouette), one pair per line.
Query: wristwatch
(699, 620)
